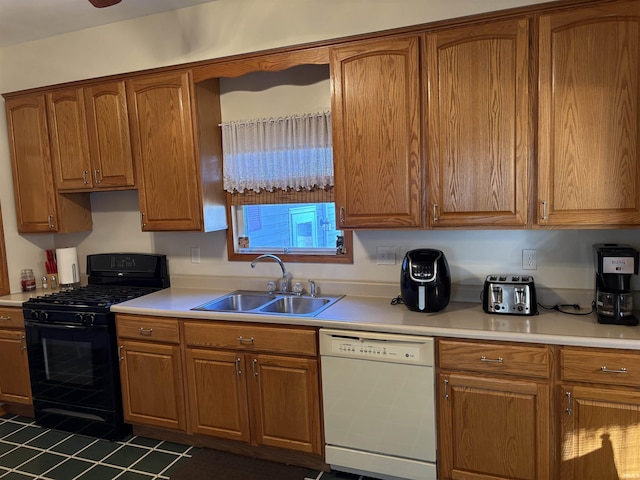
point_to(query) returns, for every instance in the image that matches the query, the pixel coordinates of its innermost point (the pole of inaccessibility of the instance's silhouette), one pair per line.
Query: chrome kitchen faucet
(284, 287)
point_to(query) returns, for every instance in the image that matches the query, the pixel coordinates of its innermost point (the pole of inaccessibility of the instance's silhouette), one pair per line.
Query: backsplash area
(564, 257)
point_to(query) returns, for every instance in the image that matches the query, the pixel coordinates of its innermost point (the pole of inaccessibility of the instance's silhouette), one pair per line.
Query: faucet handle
(312, 288)
(298, 289)
(271, 287)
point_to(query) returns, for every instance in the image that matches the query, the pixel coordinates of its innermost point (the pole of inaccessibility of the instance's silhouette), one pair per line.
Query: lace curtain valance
(278, 153)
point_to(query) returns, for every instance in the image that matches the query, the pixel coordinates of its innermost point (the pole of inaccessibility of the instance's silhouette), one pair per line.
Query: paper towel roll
(68, 271)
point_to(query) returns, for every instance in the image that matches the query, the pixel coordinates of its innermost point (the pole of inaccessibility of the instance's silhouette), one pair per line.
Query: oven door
(73, 365)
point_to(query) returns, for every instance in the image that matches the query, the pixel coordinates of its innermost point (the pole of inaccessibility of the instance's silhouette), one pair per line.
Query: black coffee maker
(615, 264)
(425, 282)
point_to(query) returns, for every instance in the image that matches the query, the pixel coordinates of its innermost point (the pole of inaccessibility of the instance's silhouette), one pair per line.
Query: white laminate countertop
(362, 313)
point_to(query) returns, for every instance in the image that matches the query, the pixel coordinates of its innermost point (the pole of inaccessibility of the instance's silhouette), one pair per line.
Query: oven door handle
(57, 326)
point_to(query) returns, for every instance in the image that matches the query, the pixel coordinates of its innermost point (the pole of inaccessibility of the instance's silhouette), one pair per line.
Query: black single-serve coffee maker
(425, 282)
(615, 264)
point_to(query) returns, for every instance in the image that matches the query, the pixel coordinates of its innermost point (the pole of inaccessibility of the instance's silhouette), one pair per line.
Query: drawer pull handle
(238, 371)
(568, 409)
(120, 355)
(248, 341)
(491, 360)
(446, 384)
(253, 367)
(608, 370)
(146, 331)
(23, 345)
(5, 318)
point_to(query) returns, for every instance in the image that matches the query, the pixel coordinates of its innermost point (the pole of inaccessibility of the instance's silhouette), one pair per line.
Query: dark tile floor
(29, 452)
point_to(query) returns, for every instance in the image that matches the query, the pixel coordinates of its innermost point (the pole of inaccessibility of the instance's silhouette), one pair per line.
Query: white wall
(227, 27)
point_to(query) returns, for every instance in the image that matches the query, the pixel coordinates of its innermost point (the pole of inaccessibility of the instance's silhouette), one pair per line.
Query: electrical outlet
(386, 255)
(529, 260)
(195, 254)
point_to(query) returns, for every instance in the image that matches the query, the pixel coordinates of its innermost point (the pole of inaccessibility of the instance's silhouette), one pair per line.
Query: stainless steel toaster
(509, 294)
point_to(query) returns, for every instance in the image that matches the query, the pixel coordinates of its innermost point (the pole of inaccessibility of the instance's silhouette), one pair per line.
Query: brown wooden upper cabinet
(589, 122)
(177, 150)
(39, 207)
(90, 141)
(377, 132)
(478, 108)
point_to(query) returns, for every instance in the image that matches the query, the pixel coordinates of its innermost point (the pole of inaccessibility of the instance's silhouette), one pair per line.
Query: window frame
(232, 255)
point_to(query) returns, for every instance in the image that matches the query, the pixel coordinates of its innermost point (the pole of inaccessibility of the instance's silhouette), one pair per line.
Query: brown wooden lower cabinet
(15, 386)
(151, 371)
(244, 383)
(494, 411)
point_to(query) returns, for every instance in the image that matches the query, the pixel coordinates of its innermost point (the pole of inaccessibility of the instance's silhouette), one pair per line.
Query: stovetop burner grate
(100, 297)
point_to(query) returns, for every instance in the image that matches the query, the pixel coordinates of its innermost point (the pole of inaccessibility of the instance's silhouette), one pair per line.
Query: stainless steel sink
(296, 305)
(246, 301)
(237, 302)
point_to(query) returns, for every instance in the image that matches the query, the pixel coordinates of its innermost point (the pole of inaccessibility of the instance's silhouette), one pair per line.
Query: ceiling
(26, 20)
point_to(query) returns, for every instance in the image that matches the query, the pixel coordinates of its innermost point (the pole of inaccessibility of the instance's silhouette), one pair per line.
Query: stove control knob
(80, 317)
(92, 317)
(34, 314)
(43, 316)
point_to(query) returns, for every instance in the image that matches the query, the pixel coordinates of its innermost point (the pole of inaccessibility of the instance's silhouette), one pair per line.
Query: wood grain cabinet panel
(494, 417)
(151, 371)
(376, 133)
(588, 116)
(39, 207)
(241, 391)
(177, 148)
(15, 385)
(477, 81)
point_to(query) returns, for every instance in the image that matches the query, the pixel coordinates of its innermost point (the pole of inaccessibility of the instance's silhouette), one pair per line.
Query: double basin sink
(246, 301)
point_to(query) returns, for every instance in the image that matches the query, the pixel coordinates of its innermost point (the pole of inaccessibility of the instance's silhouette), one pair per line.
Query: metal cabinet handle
(146, 331)
(544, 210)
(238, 371)
(253, 367)
(446, 384)
(50, 222)
(97, 177)
(435, 212)
(568, 409)
(142, 219)
(120, 355)
(609, 370)
(85, 174)
(491, 360)
(23, 344)
(342, 215)
(246, 341)
(4, 318)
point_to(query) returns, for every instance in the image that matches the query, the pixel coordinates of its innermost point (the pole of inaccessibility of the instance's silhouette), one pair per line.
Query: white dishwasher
(379, 413)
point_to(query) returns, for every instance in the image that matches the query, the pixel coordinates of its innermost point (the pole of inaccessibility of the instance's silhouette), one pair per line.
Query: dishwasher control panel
(375, 346)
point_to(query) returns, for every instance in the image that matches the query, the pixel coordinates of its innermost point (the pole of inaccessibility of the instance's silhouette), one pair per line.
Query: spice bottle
(28, 280)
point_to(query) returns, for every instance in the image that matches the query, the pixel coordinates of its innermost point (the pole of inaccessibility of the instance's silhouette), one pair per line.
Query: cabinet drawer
(531, 361)
(614, 367)
(285, 339)
(148, 328)
(11, 317)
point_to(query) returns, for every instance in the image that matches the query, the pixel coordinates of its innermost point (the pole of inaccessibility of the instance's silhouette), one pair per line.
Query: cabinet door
(599, 435)
(15, 386)
(218, 394)
(69, 140)
(376, 133)
(162, 133)
(589, 120)
(284, 393)
(152, 389)
(493, 429)
(109, 139)
(31, 162)
(479, 123)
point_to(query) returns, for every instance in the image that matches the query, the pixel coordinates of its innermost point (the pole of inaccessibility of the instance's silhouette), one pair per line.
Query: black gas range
(72, 344)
